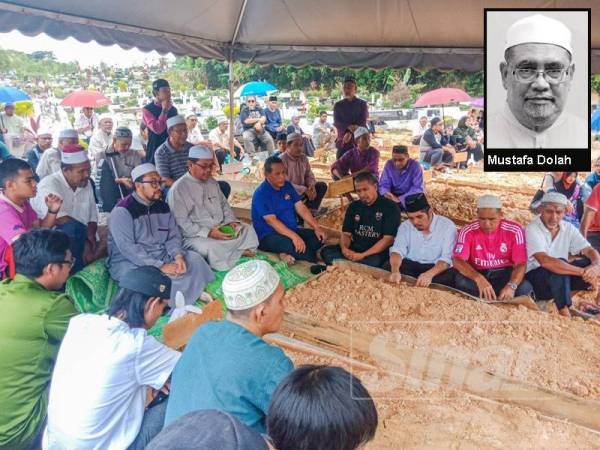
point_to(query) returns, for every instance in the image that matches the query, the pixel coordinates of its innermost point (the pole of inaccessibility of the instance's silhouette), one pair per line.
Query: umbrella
(259, 88)
(442, 96)
(10, 95)
(478, 102)
(596, 120)
(86, 99)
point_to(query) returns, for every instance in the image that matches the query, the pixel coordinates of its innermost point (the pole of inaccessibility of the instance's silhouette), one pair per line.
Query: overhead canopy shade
(337, 33)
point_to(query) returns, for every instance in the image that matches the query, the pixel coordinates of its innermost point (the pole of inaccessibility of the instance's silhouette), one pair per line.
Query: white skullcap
(190, 114)
(44, 132)
(555, 197)
(223, 120)
(200, 152)
(104, 117)
(73, 154)
(293, 136)
(489, 201)
(142, 170)
(175, 120)
(249, 284)
(538, 29)
(68, 133)
(359, 132)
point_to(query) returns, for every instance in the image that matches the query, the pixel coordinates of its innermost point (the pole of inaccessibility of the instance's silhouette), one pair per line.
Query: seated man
(142, 232)
(274, 123)
(171, 157)
(253, 122)
(275, 204)
(324, 133)
(50, 161)
(401, 176)
(419, 130)
(18, 185)
(473, 149)
(43, 142)
(78, 215)
(590, 222)
(35, 315)
(219, 137)
(307, 144)
(226, 365)
(114, 167)
(550, 241)
(434, 146)
(204, 217)
(360, 158)
(281, 142)
(490, 254)
(369, 228)
(301, 175)
(105, 366)
(102, 137)
(423, 245)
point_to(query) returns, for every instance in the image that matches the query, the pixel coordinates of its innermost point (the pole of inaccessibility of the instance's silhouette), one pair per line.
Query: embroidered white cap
(68, 133)
(555, 197)
(200, 152)
(489, 201)
(175, 120)
(249, 284)
(73, 154)
(538, 29)
(142, 170)
(359, 132)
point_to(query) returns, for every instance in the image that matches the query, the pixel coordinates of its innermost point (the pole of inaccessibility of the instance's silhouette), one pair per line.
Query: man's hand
(217, 234)
(166, 105)
(180, 264)
(320, 234)
(234, 225)
(424, 280)
(347, 137)
(506, 293)
(311, 193)
(590, 273)
(395, 277)
(486, 291)
(450, 149)
(89, 250)
(391, 197)
(125, 182)
(53, 202)
(169, 268)
(258, 127)
(299, 244)
(570, 208)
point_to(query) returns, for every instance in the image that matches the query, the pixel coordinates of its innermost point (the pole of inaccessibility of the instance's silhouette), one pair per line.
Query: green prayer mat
(91, 288)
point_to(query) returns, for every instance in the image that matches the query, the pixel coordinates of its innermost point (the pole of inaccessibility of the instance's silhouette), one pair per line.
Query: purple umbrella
(477, 102)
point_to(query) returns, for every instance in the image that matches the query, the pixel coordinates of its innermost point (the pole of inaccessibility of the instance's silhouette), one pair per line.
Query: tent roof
(338, 33)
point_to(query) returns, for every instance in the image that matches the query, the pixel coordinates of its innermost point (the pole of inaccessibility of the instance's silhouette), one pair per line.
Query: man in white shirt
(86, 123)
(537, 75)
(550, 241)
(102, 137)
(78, 215)
(219, 138)
(195, 136)
(419, 129)
(104, 367)
(324, 133)
(50, 161)
(423, 245)
(10, 123)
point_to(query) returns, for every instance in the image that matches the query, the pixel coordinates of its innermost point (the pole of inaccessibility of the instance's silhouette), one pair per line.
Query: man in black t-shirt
(369, 229)
(253, 121)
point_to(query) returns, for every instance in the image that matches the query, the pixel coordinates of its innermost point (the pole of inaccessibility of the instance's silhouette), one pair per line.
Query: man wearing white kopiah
(537, 75)
(204, 217)
(50, 160)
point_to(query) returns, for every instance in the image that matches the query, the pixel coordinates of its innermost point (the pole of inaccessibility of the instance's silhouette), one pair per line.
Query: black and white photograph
(537, 83)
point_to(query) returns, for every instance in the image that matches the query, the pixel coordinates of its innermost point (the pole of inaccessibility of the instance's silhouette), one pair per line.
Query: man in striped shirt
(172, 156)
(490, 254)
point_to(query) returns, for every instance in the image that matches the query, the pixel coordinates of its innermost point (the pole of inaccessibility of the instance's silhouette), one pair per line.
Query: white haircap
(73, 154)
(68, 133)
(293, 136)
(359, 132)
(538, 29)
(44, 131)
(104, 117)
(190, 114)
(223, 120)
(142, 170)
(249, 284)
(555, 197)
(175, 120)
(489, 201)
(200, 152)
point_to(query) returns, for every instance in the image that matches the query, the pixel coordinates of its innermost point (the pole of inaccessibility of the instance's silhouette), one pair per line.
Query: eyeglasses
(153, 183)
(205, 167)
(552, 76)
(251, 101)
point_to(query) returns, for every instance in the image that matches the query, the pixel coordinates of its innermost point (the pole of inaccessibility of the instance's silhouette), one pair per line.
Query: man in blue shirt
(227, 366)
(275, 204)
(274, 123)
(252, 118)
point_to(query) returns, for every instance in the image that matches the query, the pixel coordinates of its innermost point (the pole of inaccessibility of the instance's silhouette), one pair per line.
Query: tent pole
(231, 114)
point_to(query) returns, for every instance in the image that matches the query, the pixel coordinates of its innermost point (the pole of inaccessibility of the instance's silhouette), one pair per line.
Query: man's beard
(540, 113)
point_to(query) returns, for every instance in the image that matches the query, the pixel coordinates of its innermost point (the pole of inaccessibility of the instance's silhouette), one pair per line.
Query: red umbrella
(86, 99)
(442, 96)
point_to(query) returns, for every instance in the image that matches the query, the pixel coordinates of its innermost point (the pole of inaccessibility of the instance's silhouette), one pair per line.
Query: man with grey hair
(537, 75)
(253, 121)
(490, 254)
(550, 241)
(226, 365)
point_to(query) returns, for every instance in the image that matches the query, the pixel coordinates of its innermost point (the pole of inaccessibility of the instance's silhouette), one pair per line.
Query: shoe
(317, 269)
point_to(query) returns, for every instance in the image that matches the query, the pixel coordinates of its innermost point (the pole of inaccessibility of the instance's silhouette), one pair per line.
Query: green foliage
(596, 83)
(35, 67)
(211, 122)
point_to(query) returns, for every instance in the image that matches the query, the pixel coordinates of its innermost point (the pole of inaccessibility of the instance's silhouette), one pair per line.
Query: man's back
(32, 324)
(227, 368)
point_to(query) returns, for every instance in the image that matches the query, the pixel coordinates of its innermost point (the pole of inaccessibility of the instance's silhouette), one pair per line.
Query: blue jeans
(154, 420)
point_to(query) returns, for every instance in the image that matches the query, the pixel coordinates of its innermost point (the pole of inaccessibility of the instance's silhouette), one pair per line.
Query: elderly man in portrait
(537, 74)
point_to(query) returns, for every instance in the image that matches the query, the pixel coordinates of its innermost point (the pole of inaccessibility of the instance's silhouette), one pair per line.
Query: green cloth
(91, 288)
(32, 325)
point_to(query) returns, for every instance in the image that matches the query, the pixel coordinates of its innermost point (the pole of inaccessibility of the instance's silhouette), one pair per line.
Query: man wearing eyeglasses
(253, 121)
(204, 217)
(537, 75)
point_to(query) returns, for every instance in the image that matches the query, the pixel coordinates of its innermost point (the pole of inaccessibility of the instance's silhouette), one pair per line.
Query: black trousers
(593, 238)
(497, 278)
(221, 153)
(330, 253)
(314, 205)
(549, 285)
(225, 188)
(414, 269)
(277, 243)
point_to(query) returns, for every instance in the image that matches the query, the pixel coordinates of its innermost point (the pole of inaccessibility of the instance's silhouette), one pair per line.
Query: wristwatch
(513, 286)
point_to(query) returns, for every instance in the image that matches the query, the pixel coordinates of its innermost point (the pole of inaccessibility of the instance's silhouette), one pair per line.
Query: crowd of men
(79, 381)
